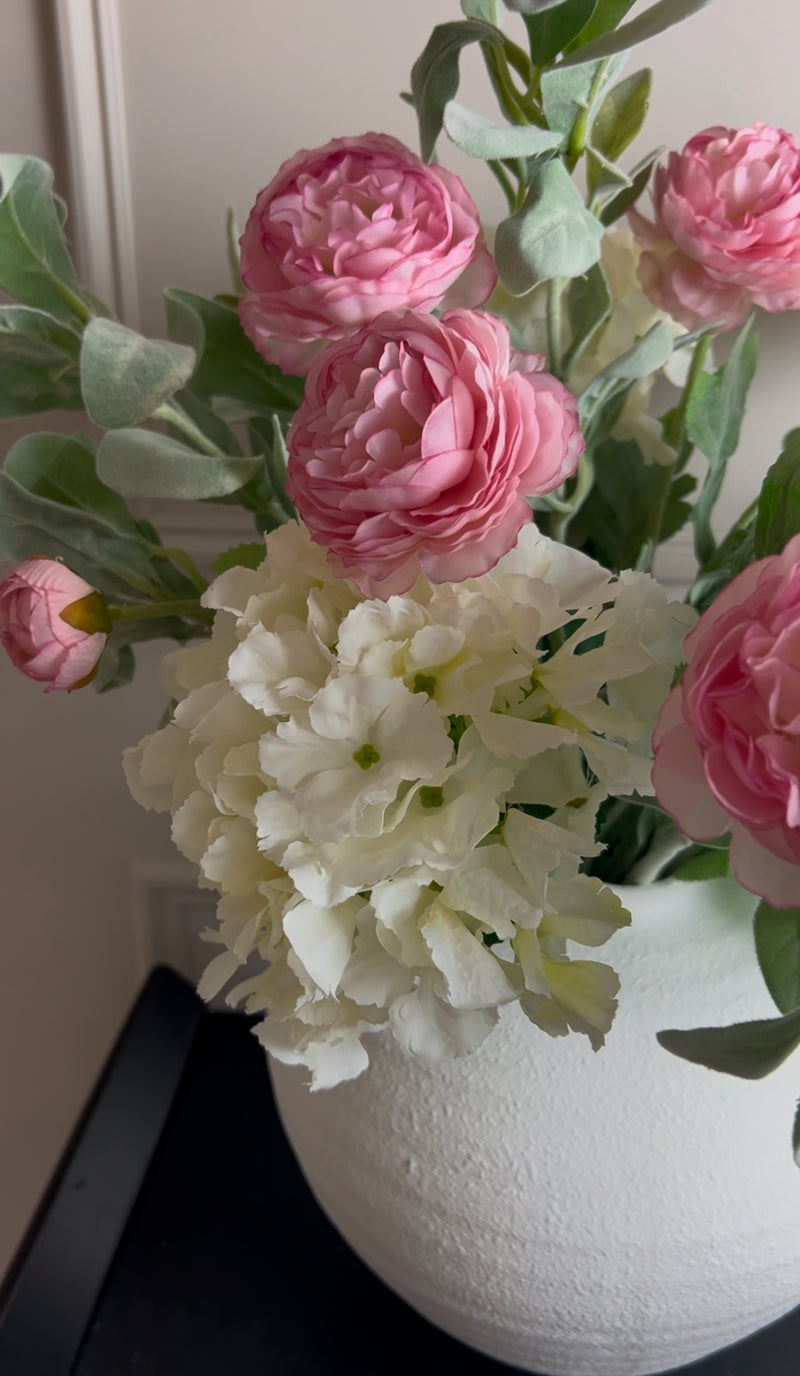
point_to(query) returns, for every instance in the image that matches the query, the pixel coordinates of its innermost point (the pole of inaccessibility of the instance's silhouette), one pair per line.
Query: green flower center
(366, 756)
(431, 795)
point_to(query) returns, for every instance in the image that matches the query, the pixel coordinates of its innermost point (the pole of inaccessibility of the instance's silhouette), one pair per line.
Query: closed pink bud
(52, 623)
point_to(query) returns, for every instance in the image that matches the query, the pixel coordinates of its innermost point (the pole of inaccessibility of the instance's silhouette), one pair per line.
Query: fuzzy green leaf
(612, 523)
(62, 469)
(608, 14)
(663, 15)
(481, 138)
(749, 1050)
(777, 932)
(552, 235)
(35, 266)
(143, 463)
(588, 306)
(622, 114)
(125, 377)
(713, 422)
(603, 176)
(553, 27)
(697, 862)
(639, 177)
(228, 365)
(113, 562)
(778, 516)
(38, 363)
(434, 76)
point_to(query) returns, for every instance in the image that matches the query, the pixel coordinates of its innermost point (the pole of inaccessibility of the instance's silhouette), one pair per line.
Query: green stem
(580, 129)
(509, 98)
(175, 416)
(584, 483)
(141, 611)
(679, 438)
(499, 172)
(555, 289)
(519, 60)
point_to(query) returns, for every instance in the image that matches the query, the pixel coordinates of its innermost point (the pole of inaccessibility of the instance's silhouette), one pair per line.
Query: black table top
(180, 1239)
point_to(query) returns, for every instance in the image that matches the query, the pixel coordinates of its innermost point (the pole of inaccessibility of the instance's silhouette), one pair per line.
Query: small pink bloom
(727, 743)
(725, 233)
(34, 600)
(417, 443)
(347, 231)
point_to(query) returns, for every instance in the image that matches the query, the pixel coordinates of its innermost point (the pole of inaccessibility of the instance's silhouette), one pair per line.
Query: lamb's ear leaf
(749, 1050)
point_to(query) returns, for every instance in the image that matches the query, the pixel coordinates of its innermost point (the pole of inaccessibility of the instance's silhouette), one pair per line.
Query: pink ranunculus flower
(727, 743)
(725, 233)
(52, 623)
(347, 231)
(417, 443)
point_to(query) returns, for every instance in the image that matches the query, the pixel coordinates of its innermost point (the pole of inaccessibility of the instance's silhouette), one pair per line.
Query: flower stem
(135, 611)
(580, 129)
(555, 288)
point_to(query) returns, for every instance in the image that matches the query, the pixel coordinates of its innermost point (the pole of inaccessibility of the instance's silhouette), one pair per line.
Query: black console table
(179, 1238)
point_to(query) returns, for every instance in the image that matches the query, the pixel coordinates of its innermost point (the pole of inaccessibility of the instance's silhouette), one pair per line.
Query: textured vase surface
(573, 1213)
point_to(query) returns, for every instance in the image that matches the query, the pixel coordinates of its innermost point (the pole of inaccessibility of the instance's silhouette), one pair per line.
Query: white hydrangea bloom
(394, 799)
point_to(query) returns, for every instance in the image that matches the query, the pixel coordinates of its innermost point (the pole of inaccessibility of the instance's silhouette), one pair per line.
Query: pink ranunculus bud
(347, 231)
(418, 441)
(52, 623)
(727, 743)
(725, 233)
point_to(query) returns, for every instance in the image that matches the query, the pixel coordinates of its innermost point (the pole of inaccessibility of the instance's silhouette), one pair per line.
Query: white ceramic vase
(571, 1213)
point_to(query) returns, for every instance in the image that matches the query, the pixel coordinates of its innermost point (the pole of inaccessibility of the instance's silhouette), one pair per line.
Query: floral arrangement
(412, 746)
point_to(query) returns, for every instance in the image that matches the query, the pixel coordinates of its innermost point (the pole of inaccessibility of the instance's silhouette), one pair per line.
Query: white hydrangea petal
(584, 910)
(232, 860)
(374, 637)
(399, 906)
(508, 737)
(216, 975)
(322, 939)
(372, 976)
(160, 770)
(586, 992)
(620, 769)
(333, 1055)
(272, 672)
(427, 1027)
(191, 824)
(192, 666)
(553, 778)
(491, 889)
(233, 589)
(472, 976)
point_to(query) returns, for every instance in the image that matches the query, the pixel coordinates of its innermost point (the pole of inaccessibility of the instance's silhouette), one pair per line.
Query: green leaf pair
(53, 503)
(35, 266)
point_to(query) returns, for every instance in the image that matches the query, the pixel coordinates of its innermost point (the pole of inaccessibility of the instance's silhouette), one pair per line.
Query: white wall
(215, 95)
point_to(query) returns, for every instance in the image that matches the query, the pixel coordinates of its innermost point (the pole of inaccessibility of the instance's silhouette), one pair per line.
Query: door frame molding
(103, 232)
